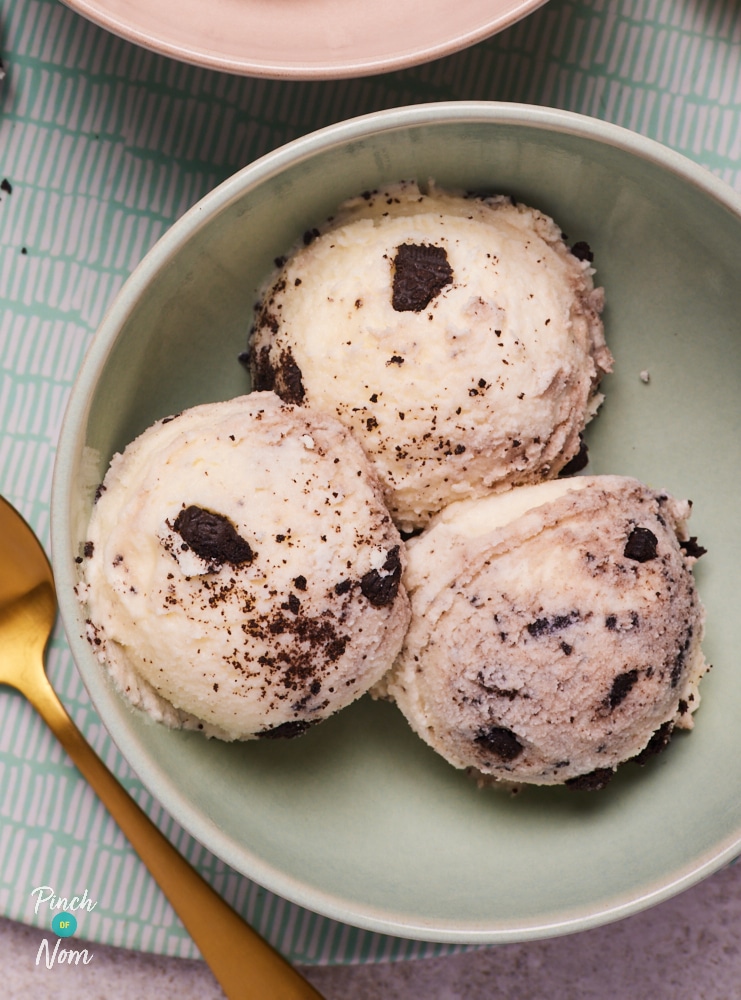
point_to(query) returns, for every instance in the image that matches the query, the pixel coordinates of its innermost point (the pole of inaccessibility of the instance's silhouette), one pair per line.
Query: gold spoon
(246, 966)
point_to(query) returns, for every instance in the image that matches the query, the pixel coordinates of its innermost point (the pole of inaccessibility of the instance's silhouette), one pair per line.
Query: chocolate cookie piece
(381, 589)
(621, 687)
(642, 545)
(578, 462)
(692, 548)
(212, 536)
(286, 731)
(499, 741)
(547, 626)
(658, 742)
(595, 781)
(420, 273)
(288, 380)
(282, 376)
(582, 251)
(263, 373)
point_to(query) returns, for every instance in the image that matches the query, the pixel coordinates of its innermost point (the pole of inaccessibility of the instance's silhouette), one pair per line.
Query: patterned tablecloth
(102, 147)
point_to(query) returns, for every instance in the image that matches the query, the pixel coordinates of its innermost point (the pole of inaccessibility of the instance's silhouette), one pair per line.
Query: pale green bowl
(358, 819)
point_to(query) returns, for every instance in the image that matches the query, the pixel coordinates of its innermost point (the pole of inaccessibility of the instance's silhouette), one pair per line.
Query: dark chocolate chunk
(212, 536)
(88, 549)
(621, 687)
(547, 626)
(582, 251)
(286, 731)
(342, 587)
(300, 582)
(382, 588)
(642, 545)
(578, 462)
(692, 549)
(499, 741)
(420, 273)
(294, 605)
(592, 782)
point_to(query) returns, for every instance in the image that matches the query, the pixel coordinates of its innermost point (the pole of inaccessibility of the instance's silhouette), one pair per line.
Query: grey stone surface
(686, 948)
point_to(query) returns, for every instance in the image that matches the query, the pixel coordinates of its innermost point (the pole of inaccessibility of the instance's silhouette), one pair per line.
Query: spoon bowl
(31, 567)
(245, 965)
(28, 605)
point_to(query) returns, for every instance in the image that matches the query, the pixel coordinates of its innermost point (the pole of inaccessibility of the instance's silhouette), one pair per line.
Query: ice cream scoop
(459, 338)
(241, 571)
(556, 630)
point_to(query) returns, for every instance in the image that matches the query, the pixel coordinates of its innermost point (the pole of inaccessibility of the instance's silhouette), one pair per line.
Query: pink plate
(304, 39)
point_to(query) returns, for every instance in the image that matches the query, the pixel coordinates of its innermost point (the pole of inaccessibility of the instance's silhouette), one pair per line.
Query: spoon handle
(245, 965)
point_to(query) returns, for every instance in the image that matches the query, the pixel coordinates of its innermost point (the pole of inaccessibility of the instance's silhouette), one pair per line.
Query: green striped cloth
(102, 147)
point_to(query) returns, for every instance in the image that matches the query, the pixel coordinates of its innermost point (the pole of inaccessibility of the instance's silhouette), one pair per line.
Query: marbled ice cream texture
(241, 571)
(459, 338)
(555, 630)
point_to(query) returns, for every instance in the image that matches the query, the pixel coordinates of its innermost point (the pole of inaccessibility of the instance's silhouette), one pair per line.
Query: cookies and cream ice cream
(459, 338)
(555, 630)
(241, 571)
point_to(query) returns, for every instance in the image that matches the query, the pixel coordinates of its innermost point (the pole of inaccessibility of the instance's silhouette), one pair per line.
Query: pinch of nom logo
(64, 925)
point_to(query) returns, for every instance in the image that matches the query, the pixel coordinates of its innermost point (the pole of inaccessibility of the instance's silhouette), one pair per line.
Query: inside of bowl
(358, 819)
